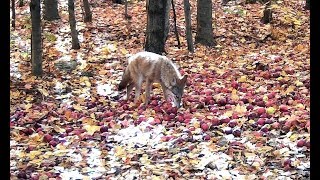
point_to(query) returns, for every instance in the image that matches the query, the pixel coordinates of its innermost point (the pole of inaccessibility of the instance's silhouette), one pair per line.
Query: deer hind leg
(138, 88)
(148, 90)
(129, 89)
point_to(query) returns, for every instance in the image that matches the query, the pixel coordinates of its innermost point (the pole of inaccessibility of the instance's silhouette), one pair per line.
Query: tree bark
(175, 24)
(73, 27)
(126, 15)
(36, 44)
(204, 23)
(13, 9)
(51, 10)
(157, 25)
(187, 15)
(87, 11)
(267, 13)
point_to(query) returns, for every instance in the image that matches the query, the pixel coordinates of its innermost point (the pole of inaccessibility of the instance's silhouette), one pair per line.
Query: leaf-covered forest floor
(246, 103)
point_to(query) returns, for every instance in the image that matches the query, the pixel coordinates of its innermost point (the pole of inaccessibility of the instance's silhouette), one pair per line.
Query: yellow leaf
(36, 161)
(105, 50)
(228, 113)
(270, 110)
(123, 51)
(297, 22)
(83, 65)
(29, 98)
(300, 106)
(86, 177)
(33, 154)
(28, 106)
(91, 129)
(119, 151)
(294, 137)
(241, 109)
(48, 154)
(196, 124)
(14, 94)
(89, 121)
(61, 147)
(77, 107)
(21, 154)
(242, 79)
(58, 129)
(103, 72)
(61, 153)
(155, 177)
(210, 117)
(289, 89)
(265, 98)
(93, 116)
(43, 92)
(36, 137)
(234, 95)
(88, 84)
(298, 83)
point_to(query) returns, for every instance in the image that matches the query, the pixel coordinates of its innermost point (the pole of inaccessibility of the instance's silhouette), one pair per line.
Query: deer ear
(183, 80)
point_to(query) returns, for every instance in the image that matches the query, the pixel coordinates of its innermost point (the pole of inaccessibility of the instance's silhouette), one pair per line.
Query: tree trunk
(175, 24)
(187, 15)
(87, 11)
(204, 23)
(126, 15)
(36, 44)
(73, 27)
(308, 4)
(267, 13)
(13, 9)
(157, 25)
(51, 10)
(21, 3)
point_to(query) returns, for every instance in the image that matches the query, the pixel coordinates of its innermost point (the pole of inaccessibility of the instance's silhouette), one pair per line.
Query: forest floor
(246, 103)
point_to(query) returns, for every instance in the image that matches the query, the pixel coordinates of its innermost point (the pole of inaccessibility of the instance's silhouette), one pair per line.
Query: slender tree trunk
(187, 15)
(267, 13)
(36, 44)
(21, 3)
(126, 15)
(157, 25)
(51, 10)
(175, 24)
(73, 27)
(87, 11)
(13, 9)
(204, 23)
